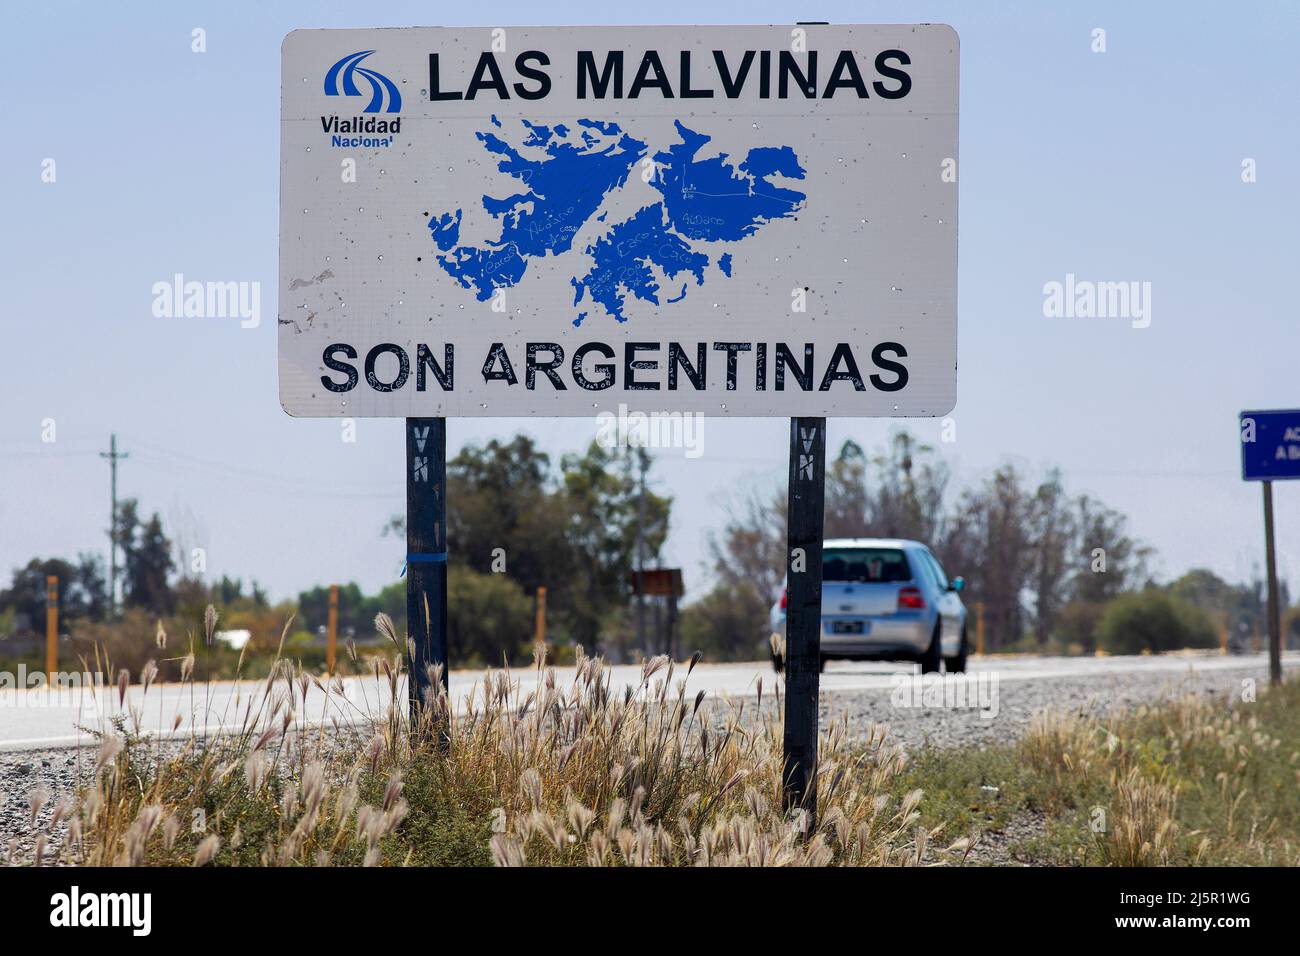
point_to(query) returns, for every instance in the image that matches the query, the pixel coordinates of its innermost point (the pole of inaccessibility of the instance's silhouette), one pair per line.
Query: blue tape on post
(434, 557)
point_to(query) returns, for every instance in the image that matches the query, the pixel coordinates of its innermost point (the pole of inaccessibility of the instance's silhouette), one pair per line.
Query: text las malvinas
(644, 366)
(750, 73)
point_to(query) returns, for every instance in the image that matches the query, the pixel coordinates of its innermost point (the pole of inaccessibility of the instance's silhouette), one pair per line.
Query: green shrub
(1153, 621)
(1077, 625)
(489, 618)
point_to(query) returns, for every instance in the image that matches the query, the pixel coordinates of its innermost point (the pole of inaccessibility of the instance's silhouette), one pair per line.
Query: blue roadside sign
(1270, 445)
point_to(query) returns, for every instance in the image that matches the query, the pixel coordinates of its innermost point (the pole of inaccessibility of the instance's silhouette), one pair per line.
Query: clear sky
(1123, 165)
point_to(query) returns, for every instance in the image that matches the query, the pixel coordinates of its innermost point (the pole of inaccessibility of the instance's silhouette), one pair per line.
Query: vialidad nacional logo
(362, 131)
(342, 80)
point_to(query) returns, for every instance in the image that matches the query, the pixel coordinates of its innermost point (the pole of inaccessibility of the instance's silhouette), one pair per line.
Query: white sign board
(735, 220)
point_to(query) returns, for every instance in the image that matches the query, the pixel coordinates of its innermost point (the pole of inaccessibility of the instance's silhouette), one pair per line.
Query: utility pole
(113, 456)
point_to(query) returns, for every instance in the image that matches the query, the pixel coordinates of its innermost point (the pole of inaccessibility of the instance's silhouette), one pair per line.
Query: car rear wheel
(957, 665)
(932, 659)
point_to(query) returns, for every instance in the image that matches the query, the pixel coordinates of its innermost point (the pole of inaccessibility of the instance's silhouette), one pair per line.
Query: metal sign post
(803, 625)
(1270, 451)
(1274, 611)
(426, 558)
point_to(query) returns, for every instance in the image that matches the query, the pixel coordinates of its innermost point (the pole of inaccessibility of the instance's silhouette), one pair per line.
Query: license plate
(848, 627)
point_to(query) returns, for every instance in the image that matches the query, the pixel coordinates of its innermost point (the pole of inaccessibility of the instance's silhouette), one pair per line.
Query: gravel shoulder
(1015, 702)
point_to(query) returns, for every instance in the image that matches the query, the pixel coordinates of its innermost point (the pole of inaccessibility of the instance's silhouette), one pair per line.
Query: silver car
(885, 599)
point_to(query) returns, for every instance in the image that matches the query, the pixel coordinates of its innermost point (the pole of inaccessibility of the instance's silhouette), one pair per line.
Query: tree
(847, 503)
(601, 492)
(1240, 609)
(502, 506)
(83, 592)
(1052, 531)
(91, 588)
(229, 591)
(576, 534)
(147, 560)
(897, 493)
(988, 541)
(1108, 562)
(356, 611)
(1076, 625)
(749, 552)
(726, 624)
(1291, 628)
(1027, 554)
(748, 560)
(909, 495)
(489, 619)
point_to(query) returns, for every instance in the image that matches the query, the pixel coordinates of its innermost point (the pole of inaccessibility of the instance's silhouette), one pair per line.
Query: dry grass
(1063, 749)
(581, 773)
(1144, 827)
(1197, 780)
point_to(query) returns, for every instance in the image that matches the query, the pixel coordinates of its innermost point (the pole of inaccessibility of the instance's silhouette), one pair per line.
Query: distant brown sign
(657, 582)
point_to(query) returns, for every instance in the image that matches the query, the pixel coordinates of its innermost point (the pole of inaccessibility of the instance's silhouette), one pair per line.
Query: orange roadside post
(332, 629)
(539, 621)
(51, 627)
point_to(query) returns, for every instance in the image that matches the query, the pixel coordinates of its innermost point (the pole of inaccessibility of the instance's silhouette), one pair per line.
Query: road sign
(735, 220)
(1270, 445)
(658, 582)
(1270, 451)
(738, 220)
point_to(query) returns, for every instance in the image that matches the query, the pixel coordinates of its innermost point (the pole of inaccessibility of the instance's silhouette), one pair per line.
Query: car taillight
(785, 597)
(910, 598)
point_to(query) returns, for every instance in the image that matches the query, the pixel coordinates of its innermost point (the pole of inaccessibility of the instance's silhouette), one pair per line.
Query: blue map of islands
(703, 201)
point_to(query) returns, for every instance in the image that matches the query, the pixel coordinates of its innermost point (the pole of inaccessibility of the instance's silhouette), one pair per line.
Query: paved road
(34, 719)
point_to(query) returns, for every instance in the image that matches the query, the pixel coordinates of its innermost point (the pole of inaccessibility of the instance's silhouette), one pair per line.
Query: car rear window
(865, 565)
